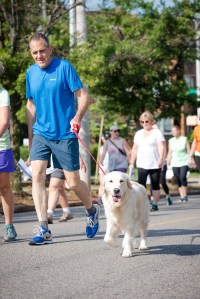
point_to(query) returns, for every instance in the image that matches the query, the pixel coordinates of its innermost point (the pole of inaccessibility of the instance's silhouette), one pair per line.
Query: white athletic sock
(66, 210)
(50, 211)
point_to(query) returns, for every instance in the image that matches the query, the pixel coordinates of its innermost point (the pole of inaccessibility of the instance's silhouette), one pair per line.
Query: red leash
(75, 131)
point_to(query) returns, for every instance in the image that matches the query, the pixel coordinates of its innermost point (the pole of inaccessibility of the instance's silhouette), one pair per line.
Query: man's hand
(75, 126)
(28, 161)
(82, 165)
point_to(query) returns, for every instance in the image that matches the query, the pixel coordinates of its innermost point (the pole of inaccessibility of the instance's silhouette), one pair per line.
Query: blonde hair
(147, 115)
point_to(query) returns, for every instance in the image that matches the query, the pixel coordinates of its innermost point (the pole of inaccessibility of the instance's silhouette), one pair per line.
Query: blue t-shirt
(52, 90)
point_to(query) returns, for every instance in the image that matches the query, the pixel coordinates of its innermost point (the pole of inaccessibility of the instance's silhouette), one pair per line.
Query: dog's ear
(129, 184)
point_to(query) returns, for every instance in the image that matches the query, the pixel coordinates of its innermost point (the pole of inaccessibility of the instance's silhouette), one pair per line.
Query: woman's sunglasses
(142, 121)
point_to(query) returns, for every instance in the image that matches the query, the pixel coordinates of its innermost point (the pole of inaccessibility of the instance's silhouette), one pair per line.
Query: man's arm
(31, 117)
(83, 104)
(4, 119)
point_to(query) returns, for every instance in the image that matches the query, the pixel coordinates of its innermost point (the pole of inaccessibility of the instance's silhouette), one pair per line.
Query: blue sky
(94, 4)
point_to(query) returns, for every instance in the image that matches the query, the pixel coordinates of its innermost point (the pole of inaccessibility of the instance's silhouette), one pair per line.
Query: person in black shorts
(57, 186)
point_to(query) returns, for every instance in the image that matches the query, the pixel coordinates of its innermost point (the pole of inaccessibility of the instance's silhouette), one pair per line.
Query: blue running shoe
(92, 223)
(9, 233)
(42, 237)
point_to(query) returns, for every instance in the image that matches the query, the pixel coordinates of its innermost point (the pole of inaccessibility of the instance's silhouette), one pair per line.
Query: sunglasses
(146, 122)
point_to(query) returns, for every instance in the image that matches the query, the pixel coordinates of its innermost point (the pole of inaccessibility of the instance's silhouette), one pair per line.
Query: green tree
(135, 61)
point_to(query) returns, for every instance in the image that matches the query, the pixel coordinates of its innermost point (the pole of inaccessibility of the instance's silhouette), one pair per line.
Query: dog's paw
(111, 242)
(143, 246)
(127, 253)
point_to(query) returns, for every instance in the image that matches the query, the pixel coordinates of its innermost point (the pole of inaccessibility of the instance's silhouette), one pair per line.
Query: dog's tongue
(116, 198)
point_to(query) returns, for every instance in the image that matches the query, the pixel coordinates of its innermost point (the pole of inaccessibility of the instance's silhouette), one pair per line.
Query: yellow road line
(174, 221)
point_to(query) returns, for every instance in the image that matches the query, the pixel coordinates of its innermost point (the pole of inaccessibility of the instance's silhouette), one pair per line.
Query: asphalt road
(75, 267)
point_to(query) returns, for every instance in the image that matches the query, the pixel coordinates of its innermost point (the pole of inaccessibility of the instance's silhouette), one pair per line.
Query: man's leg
(82, 191)
(66, 156)
(55, 187)
(63, 200)
(79, 187)
(54, 190)
(39, 193)
(39, 189)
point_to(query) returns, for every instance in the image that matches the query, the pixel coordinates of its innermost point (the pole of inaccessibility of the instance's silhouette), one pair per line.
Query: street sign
(192, 91)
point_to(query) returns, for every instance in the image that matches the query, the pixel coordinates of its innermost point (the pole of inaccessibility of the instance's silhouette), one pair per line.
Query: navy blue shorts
(65, 153)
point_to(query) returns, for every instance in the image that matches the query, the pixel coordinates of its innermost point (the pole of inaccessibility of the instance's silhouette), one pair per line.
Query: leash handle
(83, 143)
(76, 128)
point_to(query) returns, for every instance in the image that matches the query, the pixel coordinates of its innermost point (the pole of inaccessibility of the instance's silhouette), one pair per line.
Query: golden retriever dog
(127, 210)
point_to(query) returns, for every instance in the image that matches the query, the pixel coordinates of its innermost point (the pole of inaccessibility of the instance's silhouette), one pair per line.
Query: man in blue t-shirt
(52, 118)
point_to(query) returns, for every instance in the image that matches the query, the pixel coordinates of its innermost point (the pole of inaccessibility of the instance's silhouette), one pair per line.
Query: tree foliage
(135, 61)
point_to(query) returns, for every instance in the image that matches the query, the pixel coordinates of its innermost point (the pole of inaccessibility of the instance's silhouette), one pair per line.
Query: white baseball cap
(114, 128)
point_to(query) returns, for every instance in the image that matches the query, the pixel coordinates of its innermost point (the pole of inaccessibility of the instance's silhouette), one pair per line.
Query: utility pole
(198, 63)
(78, 34)
(72, 23)
(44, 9)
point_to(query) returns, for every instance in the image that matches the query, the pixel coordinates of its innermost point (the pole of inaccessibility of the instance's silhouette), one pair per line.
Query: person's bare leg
(180, 192)
(183, 191)
(156, 196)
(55, 187)
(7, 197)
(63, 200)
(79, 187)
(39, 189)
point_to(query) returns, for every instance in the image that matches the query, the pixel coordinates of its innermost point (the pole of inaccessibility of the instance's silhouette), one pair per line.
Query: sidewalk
(193, 189)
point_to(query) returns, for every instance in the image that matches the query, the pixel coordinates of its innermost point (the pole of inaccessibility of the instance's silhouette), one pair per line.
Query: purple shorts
(7, 161)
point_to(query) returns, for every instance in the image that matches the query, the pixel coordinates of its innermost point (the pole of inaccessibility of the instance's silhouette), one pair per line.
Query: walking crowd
(51, 85)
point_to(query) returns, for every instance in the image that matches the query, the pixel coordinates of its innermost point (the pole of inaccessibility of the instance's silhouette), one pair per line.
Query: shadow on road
(180, 250)
(171, 232)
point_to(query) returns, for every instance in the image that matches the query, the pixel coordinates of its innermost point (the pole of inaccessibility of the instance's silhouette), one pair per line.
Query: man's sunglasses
(115, 131)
